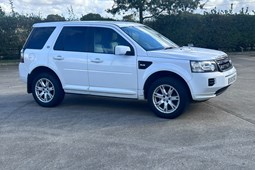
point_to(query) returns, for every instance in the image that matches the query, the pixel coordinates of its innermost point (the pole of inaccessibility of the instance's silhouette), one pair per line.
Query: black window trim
(119, 31)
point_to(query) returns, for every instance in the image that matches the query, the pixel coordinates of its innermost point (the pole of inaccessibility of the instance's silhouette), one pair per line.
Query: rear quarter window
(38, 37)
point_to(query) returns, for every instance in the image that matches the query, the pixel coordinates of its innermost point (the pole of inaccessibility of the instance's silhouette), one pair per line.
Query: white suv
(120, 59)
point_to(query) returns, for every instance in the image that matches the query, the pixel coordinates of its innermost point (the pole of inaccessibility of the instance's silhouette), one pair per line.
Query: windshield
(148, 38)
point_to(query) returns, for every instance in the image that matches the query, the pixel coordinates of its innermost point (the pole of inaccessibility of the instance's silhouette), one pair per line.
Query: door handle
(58, 57)
(97, 60)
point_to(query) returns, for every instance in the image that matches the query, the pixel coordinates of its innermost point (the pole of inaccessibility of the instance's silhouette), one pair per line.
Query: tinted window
(72, 39)
(105, 40)
(38, 37)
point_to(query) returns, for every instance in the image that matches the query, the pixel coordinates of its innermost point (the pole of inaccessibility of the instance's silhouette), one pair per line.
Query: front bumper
(201, 89)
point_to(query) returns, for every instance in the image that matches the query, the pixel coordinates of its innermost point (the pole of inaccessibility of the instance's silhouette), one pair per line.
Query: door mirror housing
(122, 50)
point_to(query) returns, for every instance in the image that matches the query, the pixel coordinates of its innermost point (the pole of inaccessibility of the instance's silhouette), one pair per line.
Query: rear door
(69, 57)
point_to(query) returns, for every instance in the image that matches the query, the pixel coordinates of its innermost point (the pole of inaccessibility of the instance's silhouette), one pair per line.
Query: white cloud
(43, 8)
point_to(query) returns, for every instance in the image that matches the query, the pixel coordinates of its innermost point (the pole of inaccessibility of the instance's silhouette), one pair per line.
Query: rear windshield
(38, 37)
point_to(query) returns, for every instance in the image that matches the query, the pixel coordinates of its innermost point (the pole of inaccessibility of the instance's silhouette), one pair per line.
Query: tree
(72, 16)
(54, 17)
(129, 17)
(93, 17)
(12, 7)
(2, 13)
(153, 8)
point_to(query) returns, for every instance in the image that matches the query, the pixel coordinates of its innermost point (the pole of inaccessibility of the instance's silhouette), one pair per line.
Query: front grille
(224, 63)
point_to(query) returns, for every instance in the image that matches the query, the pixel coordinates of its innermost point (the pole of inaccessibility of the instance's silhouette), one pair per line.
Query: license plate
(231, 79)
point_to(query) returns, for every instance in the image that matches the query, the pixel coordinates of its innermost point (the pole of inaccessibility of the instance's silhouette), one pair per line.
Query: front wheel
(168, 97)
(47, 90)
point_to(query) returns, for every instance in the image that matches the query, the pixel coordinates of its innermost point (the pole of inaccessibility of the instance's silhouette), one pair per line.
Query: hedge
(224, 32)
(215, 31)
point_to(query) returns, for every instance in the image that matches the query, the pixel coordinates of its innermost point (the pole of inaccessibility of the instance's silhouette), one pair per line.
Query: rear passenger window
(72, 39)
(38, 37)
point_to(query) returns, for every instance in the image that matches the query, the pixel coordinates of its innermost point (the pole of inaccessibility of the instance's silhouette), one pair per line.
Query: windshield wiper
(166, 48)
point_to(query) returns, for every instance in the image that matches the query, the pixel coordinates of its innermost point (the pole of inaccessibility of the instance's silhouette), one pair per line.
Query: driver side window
(105, 40)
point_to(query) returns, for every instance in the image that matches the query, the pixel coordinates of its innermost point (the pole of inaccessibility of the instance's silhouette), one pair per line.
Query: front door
(110, 74)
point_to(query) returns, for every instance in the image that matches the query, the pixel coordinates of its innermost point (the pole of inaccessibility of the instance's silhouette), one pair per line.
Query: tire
(47, 90)
(168, 97)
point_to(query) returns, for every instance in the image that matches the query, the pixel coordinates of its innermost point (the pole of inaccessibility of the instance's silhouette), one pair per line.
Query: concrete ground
(101, 133)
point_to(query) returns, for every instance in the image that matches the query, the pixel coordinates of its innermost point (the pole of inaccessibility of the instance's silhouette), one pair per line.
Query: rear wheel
(168, 97)
(47, 90)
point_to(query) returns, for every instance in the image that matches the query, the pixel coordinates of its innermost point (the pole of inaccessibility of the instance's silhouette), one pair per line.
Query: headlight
(203, 66)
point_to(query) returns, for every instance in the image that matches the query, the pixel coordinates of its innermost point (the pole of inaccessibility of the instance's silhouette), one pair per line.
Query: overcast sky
(82, 7)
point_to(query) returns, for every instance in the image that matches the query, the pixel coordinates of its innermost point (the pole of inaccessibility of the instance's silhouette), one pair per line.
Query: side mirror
(122, 50)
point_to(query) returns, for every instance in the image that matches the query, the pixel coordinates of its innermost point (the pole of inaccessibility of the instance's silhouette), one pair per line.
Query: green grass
(7, 62)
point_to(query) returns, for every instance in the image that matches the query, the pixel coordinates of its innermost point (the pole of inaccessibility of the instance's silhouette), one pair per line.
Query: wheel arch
(160, 74)
(36, 71)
